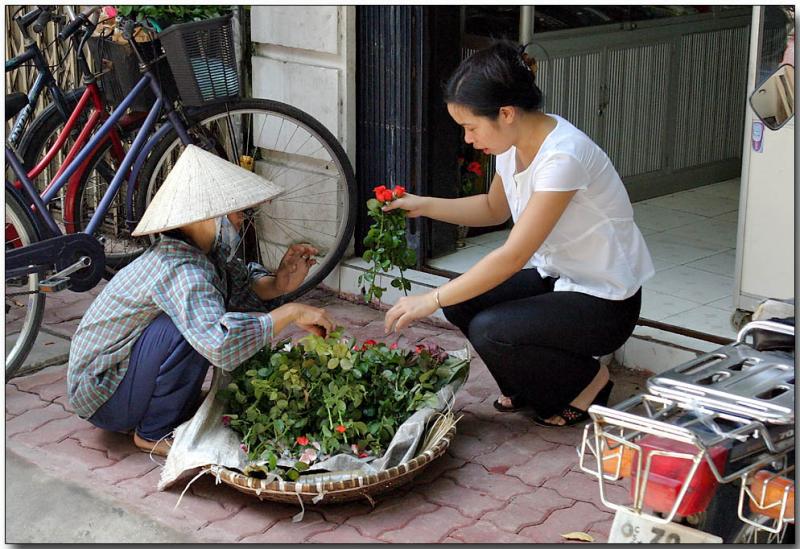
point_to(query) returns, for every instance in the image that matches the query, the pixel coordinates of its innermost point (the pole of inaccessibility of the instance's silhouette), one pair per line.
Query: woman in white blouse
(565, 287)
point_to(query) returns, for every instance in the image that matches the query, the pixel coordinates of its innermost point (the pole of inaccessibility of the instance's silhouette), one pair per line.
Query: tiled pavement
(503, 479)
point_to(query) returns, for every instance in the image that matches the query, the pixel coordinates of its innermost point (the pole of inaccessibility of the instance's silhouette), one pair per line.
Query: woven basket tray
(345, 490)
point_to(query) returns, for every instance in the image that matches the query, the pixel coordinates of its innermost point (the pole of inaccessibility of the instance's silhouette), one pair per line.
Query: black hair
(492, 78)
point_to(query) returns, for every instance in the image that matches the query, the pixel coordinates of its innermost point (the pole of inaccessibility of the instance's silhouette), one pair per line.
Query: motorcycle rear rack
(679, 421)
(737, 379)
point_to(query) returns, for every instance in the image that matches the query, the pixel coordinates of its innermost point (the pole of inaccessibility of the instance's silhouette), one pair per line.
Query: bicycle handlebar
(76, 23)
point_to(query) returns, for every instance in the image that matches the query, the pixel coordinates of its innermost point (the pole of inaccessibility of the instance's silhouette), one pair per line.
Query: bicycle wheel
(24, 304)
(120, 247)
(293, 150)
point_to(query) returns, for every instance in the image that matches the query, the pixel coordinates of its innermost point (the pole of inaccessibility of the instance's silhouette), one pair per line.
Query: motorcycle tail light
(668, 474)
(612, 456)
(769, 489)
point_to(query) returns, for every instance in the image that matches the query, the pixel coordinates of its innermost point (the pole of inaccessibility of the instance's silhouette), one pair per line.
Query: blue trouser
(161, 387)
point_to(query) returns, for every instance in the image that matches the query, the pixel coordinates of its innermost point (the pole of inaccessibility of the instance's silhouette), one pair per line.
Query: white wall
(305, 56)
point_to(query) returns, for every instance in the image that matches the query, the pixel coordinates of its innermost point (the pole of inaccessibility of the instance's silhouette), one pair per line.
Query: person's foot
(156, 447)
(507, 404)
(582, 402)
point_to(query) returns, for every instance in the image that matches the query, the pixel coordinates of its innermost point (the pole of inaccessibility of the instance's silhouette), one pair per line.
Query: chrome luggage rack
(735, 396)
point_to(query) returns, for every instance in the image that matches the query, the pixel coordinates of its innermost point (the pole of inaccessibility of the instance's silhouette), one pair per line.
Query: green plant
(166, 15)
(386, 244)
(324, 396)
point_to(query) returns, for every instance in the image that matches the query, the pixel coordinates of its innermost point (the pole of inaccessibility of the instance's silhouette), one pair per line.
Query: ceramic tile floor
(692, 239)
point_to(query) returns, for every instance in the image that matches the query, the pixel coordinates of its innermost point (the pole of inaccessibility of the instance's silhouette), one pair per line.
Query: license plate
(629, 527)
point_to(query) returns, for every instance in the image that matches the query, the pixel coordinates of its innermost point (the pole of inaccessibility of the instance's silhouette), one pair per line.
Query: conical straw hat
(203, 186)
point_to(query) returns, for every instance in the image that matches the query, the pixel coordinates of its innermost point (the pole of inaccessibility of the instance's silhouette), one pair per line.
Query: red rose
(370, 342)
(341, 428)
(302, 441)
(420, 348)
(399, 191)
(379, 191)
(387, 196)
(226, 420)
(475, 167)
(393, 345)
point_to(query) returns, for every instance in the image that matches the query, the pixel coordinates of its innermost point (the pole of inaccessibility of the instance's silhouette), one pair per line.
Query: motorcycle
(708, 451)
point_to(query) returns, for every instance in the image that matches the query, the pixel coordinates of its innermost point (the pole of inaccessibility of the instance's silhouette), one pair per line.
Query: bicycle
(275, 139)
(47, 135)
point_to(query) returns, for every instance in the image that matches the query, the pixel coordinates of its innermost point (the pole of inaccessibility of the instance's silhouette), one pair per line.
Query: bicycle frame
(92, 99)
(30, 260)
(43, 80)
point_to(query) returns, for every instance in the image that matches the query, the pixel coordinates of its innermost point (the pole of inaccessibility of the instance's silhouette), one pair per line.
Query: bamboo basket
(330, 489)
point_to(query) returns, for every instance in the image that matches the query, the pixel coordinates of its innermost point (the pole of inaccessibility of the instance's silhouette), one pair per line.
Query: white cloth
(595, 247)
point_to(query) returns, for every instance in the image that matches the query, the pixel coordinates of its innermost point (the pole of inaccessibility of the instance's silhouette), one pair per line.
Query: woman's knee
(486, 333)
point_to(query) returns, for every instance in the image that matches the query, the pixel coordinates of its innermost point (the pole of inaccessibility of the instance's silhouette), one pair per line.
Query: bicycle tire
(285, 168)
(120, 247)
(24, 230)
(42, 128)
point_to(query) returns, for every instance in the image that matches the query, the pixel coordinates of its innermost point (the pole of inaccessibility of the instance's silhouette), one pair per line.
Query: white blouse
(595, 247)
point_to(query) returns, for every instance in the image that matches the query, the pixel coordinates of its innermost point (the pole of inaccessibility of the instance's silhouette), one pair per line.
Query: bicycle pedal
(54, 284)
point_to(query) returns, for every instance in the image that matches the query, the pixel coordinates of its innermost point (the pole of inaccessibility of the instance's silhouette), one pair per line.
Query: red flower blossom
(379, 191)
(357, 348)
(419, 348)
(369, 343)
(475, 167)
(393, 345)
(302, 441)
(226, 420)
(399, 191)
(386, 196)
(341, 428)
(363, 455)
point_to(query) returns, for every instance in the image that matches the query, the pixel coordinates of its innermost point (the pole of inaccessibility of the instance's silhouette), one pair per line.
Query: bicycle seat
(15, 102)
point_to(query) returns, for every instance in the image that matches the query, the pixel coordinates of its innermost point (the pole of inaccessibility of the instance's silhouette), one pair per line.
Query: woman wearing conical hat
(141, 352)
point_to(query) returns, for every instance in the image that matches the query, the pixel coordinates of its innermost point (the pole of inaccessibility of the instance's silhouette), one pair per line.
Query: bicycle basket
(202, 58)
(120, 71)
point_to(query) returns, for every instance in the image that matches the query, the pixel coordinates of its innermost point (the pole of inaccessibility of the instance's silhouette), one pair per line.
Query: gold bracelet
(436, 296)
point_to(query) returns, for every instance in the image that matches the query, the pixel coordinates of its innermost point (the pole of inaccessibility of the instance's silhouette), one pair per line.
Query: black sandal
(572, 415)
(515, 406)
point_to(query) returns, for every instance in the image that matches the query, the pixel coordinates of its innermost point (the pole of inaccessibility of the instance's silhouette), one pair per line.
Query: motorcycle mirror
(773, 101)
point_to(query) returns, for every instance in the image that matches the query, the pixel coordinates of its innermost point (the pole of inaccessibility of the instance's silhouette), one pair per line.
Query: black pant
(538, 344)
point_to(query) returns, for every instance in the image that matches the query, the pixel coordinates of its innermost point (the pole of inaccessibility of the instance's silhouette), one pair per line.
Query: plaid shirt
(202, 294)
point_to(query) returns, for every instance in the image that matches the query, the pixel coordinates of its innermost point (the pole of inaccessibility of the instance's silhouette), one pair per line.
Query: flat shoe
(513, 408)
(572, 415)
(155, 447)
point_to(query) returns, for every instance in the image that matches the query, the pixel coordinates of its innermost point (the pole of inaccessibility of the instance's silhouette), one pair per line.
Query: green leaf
(333, 363)
(292, 474)
(301, 466)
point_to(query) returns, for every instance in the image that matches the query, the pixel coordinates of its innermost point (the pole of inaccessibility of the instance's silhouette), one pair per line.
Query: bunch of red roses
(387, 195)
(386, 244)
